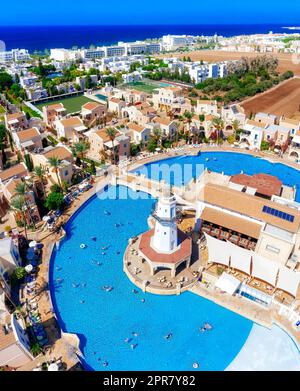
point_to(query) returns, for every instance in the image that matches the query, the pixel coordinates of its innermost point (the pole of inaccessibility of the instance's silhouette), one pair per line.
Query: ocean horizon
(39, 38)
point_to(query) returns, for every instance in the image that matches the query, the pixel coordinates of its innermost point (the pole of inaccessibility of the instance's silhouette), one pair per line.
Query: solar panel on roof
(278, 213)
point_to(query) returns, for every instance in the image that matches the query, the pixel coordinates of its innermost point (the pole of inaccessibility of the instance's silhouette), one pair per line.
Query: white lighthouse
(165, 238)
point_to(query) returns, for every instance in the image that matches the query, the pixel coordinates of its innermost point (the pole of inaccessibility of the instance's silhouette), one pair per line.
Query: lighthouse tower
(165, 238)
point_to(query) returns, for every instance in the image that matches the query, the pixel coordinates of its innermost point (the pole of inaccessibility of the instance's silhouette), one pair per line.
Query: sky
(139, 12)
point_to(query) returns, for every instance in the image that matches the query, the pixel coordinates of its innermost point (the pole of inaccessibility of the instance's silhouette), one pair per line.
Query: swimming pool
(102, 97)
(103, 320)
(229, 162)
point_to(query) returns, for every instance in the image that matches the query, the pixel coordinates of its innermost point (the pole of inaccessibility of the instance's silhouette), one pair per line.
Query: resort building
(141, 113)
(65, 170)
(69, 128)
(294, 150)
(18, 171)
(267, 119)
(165, 246)
(14, 344)
(28, 139)
(14, 55)
(173, 42)
(207, 107)
(281, 136)
(233, 113)
(116, 105)
(167, 126)
(9, 255)
(100, 143)
(171, 99)
(270, 227)
(92, 113)
(16, 121)
(54, 112)
(252, 134)
(138, 134)
(290, 123)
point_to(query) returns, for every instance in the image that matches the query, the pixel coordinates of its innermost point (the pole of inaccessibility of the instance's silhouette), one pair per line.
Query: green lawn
(72, 105)
(141, 86)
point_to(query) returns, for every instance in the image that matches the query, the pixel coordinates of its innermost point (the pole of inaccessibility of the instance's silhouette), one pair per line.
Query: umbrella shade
(46, 218)
(32, 244)
(28, 268)
(53, 367)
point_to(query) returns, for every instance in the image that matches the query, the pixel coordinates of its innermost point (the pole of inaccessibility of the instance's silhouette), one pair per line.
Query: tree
(28, 162)
(54, 201)
(35, 349)
(6, 81)
(39, 173)
(19, 273)
(218, 124)
(80, 149)
(111, 133)
(55, 162)
(18, 205)
(188, 117)
(236, 128)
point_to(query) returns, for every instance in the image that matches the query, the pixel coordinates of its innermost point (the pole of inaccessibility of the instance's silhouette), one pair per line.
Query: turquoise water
(102, 97)
(184, 168)
(103, 320)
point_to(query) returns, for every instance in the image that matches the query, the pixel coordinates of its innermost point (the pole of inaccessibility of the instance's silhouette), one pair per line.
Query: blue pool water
(102, 97)
(103, 320)
(184, 168)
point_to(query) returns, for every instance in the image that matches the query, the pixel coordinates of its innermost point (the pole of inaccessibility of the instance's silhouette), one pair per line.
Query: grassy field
(145, 86)
(72, 104)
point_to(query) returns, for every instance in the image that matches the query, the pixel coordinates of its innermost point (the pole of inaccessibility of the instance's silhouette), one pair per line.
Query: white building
(9, 255)
(173, 42)
(14, 55)
(64, 55)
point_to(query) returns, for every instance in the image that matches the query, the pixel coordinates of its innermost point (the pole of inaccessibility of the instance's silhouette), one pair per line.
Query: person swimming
(207, 326)
(94, 238)
(74, 285)
(135, 291)
(82, 302)
(105, 364)
(107, 212)
(143, 300)
(168, 336)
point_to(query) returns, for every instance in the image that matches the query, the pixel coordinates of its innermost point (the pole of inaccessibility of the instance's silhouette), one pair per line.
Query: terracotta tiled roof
(17, 170)
(135, 127)
(55, 106)
(59, 152)
(15, 116)
(73, 121)
(91, 105)
(182, 253)
(231, 222)
(163, 121)
(27, 134)
(265, 184)
(249, 205)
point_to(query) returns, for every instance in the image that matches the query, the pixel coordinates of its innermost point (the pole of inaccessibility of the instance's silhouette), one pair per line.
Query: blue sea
(39, 38)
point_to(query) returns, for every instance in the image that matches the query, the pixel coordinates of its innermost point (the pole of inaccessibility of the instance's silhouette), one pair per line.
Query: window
(66, 173)
(272, 249)
(278, 213)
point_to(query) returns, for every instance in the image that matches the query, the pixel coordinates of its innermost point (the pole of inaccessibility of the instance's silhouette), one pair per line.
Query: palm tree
(236, 127)
(188, 117)
(111, 133)
(39, 173)
(18, 205)
(21, 189)
(218, 124)
(80, 149)
(156, 135)
(54, 162)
